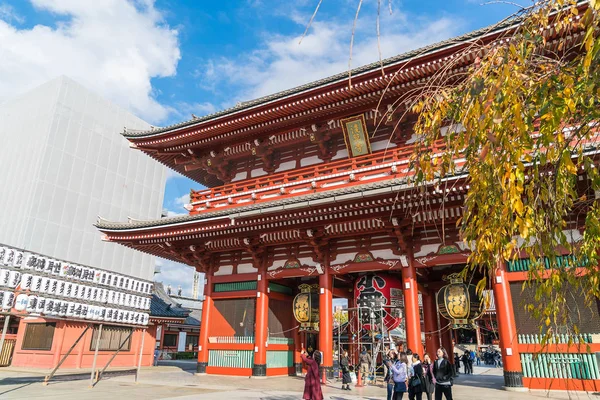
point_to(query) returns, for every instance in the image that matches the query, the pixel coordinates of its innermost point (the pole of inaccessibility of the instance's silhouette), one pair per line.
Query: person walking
(415, 383)
(399, 376)
(389, 376)
(428, 376)
(365, 360)
(442, 370)
(345, 364)
(457, 363)
(312, 386)
(465, 360)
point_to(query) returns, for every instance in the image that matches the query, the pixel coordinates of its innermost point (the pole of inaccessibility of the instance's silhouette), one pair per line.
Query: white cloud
(8, 14)
(114, 47)
(171, 173)
(282, 63)
(183, 200)
(176, 274)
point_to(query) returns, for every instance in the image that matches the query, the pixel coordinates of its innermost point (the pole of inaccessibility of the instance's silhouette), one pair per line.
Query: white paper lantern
(145, 319)
(40, 264)
(70, 309)
(45, 285)
(97, 312)
(48, 306)
(103, 277)
(19, 258)
(69, 289)
(3, 251)
(41, 305)
(78, 309)
(105, 293)
(30, 260)
(64, 307)
(8, 257)
(14, 279)
(32, 303)
(53, 286)
(21, 302)
(121, 299)
(56, 267)
(56, 307)
(121, 282)
(36, 283)
(4, 277)
(49, 267)
(89, 312)
(26, 280)
(97, 276)
(64, 270)
(88, 293)
(128, 300)
(62, 288)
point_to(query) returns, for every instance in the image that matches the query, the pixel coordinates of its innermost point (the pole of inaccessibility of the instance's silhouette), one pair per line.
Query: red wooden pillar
(432, 336)
(326, 321)
(447, 343)
(411, 307)
(297, 351)
(207, 307)
(507, 329)
(262, 321)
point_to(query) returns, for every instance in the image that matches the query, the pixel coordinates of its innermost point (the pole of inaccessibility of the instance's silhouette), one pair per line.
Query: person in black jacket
(415, 384)
(442, 370)
(345, 364)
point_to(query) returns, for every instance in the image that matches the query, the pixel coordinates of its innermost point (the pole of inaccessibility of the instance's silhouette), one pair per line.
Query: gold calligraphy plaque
(356, 135)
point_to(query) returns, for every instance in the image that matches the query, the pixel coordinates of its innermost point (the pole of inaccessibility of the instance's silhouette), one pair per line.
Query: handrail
(308, 179)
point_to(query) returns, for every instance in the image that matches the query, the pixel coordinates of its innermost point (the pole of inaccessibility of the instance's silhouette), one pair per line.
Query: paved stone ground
(175, 380)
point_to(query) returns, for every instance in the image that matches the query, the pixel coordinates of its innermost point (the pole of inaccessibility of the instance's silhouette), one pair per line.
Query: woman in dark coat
(312, 385)
(428, 377)
(345, 364)
(442, 370)
(415, 383)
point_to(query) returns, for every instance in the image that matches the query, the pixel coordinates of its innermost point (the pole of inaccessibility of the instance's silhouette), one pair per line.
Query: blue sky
(166, 59)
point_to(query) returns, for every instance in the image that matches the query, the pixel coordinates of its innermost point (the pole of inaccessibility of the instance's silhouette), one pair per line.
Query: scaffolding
(366, 329)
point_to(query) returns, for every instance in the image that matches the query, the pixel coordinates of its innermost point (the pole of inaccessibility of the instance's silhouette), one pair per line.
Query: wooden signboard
(356, 136)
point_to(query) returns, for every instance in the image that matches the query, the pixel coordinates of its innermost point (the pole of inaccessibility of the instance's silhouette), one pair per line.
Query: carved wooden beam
(256, 250)
(322, 135)
(268, 155)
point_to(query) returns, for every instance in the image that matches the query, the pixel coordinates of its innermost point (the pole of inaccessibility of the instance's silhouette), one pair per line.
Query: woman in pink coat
(312, 384)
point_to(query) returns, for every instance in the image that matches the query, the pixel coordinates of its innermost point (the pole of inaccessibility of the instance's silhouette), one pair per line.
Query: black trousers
(446, 390)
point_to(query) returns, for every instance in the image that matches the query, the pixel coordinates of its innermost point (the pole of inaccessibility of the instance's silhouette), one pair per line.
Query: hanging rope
(286, 331)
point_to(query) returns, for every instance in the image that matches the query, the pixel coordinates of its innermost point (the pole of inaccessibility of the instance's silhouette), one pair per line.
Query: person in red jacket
(312, 384)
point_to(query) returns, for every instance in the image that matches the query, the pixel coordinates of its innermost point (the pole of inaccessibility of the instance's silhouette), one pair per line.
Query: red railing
(383, 165)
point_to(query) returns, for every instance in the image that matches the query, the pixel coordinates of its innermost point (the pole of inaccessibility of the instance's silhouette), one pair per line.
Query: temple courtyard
(176, 380)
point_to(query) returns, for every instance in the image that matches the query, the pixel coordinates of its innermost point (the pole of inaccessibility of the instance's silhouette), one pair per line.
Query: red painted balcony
(383, 165)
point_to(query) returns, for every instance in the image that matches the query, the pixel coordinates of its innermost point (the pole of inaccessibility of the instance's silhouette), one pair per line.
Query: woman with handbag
(428, 377)
(399, 376)
(415, 384)
(345, 364)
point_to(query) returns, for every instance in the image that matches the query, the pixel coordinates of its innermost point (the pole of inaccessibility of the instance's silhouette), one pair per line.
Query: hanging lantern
(306, 308)
(376, 291)
(459, 303)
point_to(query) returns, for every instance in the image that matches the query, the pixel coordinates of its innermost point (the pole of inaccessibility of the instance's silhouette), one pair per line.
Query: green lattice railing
(231, 358)
(280, 340)
(231, 339)
(556, 339)
(235, 286)
(559, 365)
(280, 359)
(523, 264)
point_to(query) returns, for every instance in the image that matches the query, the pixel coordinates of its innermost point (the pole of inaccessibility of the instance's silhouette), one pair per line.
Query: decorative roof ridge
(231, 213)
(246, 105)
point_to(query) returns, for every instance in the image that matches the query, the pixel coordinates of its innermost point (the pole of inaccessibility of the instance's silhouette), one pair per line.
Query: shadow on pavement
(188, 366)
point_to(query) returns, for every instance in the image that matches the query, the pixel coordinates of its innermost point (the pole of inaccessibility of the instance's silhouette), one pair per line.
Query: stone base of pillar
(259, 370)
(298, 369)
(328, 371)
(201, 367)
(513, 381)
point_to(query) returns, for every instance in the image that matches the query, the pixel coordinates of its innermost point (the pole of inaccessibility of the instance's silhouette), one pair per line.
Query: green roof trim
(277, 288)
(235, 286)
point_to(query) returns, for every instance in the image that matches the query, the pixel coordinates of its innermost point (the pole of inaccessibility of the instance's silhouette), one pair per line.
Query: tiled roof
(162, 305)
(103, 224)
(334, 78)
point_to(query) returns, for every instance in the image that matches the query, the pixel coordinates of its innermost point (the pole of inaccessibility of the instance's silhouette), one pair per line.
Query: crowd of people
(405, 373)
